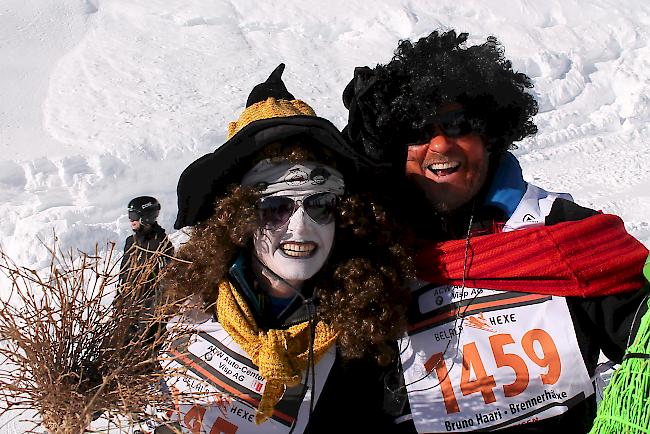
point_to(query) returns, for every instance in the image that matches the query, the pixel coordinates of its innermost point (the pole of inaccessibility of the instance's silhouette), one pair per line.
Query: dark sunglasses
(451, 124)
(274, 211)
(133, 216)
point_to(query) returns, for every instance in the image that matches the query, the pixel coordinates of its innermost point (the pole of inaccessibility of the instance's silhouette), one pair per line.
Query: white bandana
(271, 177)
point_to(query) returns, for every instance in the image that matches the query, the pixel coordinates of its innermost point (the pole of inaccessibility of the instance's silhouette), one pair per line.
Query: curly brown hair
(362, 290)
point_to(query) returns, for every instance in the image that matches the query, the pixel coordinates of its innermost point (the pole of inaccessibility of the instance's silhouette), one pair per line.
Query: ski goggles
(275, 211)
(452, 124)
(133, 216)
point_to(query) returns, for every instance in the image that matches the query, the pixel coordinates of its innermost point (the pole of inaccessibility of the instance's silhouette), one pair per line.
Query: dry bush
(71, 349)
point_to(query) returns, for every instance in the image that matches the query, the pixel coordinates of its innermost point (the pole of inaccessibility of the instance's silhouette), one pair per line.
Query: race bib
(476, 359)
(225, 387)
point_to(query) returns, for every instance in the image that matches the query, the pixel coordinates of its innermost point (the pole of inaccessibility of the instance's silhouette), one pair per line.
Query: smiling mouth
(445, 168)
(298, 249)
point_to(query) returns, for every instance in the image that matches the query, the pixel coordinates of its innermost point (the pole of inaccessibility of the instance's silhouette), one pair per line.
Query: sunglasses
(452, 124)
(275, 211)
(133, 216)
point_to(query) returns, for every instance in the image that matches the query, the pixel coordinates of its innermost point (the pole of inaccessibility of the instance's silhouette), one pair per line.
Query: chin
(300, 269)
(441, 202)
(448, 200)
(297, 277)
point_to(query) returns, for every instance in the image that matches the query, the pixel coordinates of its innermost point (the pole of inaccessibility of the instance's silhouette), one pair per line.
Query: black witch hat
(272, 114)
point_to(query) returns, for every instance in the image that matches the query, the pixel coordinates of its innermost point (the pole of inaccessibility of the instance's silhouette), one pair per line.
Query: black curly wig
(393, 105)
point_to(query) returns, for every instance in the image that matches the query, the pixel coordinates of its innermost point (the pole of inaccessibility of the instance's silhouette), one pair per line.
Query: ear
(487, 143)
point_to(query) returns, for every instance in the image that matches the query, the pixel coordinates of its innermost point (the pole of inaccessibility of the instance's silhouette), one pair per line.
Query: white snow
(104, 100)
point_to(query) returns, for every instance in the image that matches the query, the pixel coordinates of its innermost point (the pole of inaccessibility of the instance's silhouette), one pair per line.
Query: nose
(440, 142)
(297, 221)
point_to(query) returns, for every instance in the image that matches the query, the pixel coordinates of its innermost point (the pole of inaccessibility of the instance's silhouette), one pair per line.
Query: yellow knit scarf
(281, 355)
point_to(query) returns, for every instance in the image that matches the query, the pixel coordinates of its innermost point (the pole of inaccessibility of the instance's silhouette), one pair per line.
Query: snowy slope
(103, 100)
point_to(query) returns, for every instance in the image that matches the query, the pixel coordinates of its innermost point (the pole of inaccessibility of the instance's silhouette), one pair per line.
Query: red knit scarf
(587, 258)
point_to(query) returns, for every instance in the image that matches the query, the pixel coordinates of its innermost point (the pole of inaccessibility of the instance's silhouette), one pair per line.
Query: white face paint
(297, 250)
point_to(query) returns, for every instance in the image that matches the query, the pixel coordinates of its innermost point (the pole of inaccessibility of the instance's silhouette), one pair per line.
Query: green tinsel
(625, 407)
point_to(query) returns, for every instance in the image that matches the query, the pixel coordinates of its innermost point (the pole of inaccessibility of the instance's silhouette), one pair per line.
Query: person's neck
(143, 229)
(274, 285)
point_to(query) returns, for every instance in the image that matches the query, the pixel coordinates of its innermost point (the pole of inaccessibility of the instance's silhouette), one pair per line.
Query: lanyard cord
(310, 372)
(458, 317)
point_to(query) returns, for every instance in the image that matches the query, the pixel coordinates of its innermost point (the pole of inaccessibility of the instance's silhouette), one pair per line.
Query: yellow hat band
(270, 108)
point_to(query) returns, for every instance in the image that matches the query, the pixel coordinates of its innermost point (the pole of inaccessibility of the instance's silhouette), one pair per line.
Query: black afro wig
(392, 105)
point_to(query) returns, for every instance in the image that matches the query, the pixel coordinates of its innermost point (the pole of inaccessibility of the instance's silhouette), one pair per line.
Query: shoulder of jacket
(564, 210)
(159, 232)
(533, 208)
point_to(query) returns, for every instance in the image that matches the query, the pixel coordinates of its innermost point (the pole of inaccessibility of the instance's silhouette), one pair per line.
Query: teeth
(298, 249)
(444, 165)
(443, 168)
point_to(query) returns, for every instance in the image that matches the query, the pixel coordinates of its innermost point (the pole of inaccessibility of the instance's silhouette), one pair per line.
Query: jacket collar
(508, 186)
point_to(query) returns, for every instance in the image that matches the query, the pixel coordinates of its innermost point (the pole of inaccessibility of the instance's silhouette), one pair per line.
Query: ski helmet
(145, 209)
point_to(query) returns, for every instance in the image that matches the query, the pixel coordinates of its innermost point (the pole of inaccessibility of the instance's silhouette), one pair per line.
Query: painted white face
(298, 249)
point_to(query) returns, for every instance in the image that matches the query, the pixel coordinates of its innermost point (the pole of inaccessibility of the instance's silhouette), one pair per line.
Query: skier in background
(146, 253)
(148, 238)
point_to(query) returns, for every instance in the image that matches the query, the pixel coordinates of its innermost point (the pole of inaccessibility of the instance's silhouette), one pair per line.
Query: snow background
(105, 100)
